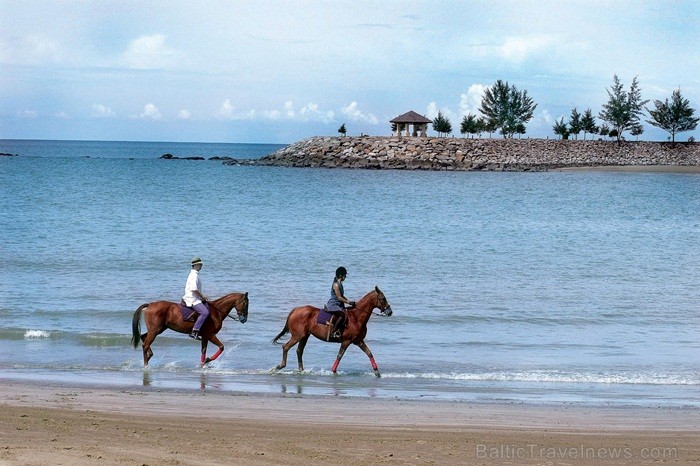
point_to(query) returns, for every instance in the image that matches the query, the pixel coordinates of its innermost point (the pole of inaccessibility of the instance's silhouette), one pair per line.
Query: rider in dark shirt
(336, 303)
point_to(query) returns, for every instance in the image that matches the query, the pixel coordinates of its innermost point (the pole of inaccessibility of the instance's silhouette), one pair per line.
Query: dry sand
(64, 424)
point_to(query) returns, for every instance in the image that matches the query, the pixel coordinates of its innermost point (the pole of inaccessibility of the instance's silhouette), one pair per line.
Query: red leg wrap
(374, 364)
(335, 365)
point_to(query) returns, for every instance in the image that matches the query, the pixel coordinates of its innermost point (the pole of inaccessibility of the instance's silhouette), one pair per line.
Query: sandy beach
(68, 424)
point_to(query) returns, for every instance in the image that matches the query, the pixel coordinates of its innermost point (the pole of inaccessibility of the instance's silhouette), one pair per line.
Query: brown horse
(302, 323)
(162, 315)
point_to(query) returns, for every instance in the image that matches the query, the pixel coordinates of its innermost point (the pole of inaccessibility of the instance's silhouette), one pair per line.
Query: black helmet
(341, 272)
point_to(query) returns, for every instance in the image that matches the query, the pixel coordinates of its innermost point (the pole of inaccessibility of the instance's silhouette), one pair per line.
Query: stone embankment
(473, 154)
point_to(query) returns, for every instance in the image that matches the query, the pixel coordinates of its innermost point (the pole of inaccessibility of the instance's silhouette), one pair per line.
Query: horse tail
(284, 330)
(136, 326)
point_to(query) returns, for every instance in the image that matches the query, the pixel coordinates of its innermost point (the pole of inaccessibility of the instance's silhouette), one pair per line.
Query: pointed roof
(411, 117)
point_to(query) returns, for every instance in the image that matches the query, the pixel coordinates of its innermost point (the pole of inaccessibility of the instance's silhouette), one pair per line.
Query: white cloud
(311, 112)
(100, 111)
(184, 114)
(27, 114)
(61, 115)
(273, 115)
(432, 112)
(289, 109)
(151, 112)
(226, 110)
(470, 101)
(148, 52)
(518, 49)
(352, 112)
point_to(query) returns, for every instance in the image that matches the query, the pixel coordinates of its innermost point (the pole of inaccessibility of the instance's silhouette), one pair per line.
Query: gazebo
(419, 122)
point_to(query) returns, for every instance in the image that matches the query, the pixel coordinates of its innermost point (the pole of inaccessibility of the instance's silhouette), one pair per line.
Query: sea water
(555, 287)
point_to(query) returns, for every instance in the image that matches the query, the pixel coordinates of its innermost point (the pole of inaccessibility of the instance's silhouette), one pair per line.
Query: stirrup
(195, 335)
(337, 334)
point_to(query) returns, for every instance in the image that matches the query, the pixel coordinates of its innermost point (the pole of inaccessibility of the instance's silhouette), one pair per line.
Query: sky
(279, 71)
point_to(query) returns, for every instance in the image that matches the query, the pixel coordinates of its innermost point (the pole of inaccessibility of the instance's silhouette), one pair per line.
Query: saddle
(189, 314)
(334, 321)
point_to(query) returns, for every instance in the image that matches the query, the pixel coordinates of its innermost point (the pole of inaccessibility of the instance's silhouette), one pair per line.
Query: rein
(233, 306)
(370, 312)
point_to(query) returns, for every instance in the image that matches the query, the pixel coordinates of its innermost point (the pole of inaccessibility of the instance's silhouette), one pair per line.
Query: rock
(473, 154)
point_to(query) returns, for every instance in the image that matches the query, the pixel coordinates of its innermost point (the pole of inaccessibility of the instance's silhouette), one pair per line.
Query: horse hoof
(377, 374)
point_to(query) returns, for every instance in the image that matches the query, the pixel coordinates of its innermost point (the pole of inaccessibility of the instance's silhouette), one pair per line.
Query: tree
(637, 131)
(588, 123)
(623, 108)
(575, 125)
(561, 129)
(488, 126)
(604, 130)
(342, 129)
(469, 125)
(442, 125)
(674, 117)
(505, 108)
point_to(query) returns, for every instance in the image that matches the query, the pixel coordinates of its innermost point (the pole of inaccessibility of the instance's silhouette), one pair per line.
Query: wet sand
(69, 424)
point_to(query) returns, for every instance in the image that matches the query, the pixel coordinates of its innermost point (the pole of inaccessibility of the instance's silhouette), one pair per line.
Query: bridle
(382, 312)
(243, 313)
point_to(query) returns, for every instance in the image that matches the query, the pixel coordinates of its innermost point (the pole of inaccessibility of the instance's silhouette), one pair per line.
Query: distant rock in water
(173, 157)
(412, 153)
(3, 154)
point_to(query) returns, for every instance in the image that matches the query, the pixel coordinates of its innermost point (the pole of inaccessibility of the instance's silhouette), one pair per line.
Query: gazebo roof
(411, 117)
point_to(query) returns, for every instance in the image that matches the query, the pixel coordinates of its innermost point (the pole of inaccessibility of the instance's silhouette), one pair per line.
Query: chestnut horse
(162, 315)
(302, 323)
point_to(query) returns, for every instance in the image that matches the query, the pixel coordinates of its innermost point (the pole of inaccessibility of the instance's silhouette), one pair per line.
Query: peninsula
(433, 153)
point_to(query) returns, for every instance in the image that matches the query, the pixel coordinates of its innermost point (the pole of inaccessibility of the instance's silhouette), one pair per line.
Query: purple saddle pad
(323, 316)
(188, 313)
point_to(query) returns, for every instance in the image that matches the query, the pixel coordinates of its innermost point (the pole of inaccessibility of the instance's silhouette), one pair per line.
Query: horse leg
(148, 339)
(205, 342)
(363, 346)
(218, 343)
(285, 348)
(300, 352)
(343, 346)
(150, 352)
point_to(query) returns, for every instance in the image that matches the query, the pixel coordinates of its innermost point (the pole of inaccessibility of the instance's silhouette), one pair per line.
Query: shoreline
(634, 169)
(65, 423)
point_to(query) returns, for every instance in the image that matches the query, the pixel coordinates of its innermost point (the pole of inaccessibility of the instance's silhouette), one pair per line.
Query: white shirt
(193, 283)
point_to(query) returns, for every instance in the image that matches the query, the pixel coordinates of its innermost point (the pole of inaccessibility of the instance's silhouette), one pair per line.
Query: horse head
(382, 303)
(241, 306)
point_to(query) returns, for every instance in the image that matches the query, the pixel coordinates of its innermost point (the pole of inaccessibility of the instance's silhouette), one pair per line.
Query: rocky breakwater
(473, 154)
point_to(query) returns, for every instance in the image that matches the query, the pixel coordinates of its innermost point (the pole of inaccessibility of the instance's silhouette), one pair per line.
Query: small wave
(36, 334)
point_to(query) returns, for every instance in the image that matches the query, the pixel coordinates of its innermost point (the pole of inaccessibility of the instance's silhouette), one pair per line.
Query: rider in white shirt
(194, 298)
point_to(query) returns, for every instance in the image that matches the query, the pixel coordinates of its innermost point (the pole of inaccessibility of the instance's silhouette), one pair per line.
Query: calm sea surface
(531, 287)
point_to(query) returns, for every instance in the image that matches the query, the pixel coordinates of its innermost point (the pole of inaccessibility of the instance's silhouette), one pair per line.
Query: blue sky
(278, 71)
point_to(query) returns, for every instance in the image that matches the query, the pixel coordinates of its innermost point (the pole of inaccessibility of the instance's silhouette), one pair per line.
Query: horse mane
(225, 303)
(364, 299)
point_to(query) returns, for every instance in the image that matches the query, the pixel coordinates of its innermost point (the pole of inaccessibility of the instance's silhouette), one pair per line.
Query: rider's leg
(338, 323)
(203, 312)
